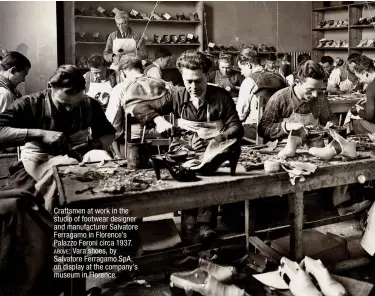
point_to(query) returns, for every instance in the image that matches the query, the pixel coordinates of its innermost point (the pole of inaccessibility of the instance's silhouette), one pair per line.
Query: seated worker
(365, 71)
(327, 63)
(256, 79)
(57, 126)
(124, 41)
(14, 67)
(203, 109)
(226, 77)
(99, 80)
(124, 97)
(302, 58)
(342, 79)
(296, 106)
(162, 58)
(271, 66)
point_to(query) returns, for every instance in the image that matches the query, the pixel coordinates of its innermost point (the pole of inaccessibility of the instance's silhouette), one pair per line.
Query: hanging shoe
(293, 142)
(176, 171)
(201, 282)
(216, 154)
(328, 285)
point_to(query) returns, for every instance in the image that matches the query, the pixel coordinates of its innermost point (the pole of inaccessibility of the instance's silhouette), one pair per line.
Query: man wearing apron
(207, 111)
(14, 67)
(57, 126)
(124, 41)
(343, 80)
(99, 80)
(226, 77)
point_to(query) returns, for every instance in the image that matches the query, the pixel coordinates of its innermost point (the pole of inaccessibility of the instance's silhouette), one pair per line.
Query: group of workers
(63, 125)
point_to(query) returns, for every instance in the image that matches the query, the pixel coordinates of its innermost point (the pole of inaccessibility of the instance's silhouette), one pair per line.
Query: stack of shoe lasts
(363, 21)
(209, 279)
(300, 278)
(333, 24)
(367, 43)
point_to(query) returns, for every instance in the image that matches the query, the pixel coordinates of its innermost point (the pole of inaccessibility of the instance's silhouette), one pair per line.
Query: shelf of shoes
(175, 39)
(364, 22)
(325, 44)
(341, 7)
(219, 48)
(366, 44)
(332, 25)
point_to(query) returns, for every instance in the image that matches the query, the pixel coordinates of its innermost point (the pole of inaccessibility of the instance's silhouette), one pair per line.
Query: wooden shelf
(362, 27)
(363, 48)
(330, 28)
(237, 52)
(140, 20)
(341, 7)
(331, 48)
(87, 42)
(173, 44)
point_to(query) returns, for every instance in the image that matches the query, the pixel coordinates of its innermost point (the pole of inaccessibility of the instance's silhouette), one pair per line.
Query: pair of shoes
(338, 146)
(216, 154)
(206, 280)
(176, 171)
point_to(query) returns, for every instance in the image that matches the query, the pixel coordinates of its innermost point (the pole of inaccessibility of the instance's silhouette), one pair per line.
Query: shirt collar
(157, 66)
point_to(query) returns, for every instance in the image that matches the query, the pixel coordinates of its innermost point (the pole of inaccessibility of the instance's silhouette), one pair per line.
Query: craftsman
(327, 63)
(271, 65)
(14, 67)
(206, 110)
(342, 80)
(123, 41)
(99, 80)
(162, 58)
(226, 77)
(124, 97)
(57, 126)
(302, 58)
(256, 80)
(364, 121)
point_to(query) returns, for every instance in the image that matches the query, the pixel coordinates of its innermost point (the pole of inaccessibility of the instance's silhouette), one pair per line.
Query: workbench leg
(249, 223)
(296, 225)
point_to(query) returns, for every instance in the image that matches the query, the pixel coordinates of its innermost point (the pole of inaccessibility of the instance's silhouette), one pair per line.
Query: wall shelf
(330, 28)
(330, 48)
(362, 48)
(173, 44)
(138, 20)
(362, 27)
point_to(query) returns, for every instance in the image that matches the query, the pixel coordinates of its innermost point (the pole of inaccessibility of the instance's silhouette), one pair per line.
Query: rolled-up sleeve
(6, 99)
(335, 78)
(248, 87)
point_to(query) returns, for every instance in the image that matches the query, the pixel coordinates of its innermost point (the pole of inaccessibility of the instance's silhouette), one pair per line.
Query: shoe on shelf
(174, 39)
(322, 42)
(182, 38)
(206, 233)
(345, 44)
(157, 39)
(339, 23)
(360, 21)
(362, 43)
(335, 24)
(196, 17)
(370, 43)
(143, 15)
(339, 43)
(183, 17)
(322, 24)
(345, 23)
(166, 39)
(192, 16)
(155, 16)
(77, 11)
(293, 142)
(329, 43)
(329, 23)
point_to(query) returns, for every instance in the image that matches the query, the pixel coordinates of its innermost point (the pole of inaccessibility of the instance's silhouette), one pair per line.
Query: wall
(255, 22)
(32, 27)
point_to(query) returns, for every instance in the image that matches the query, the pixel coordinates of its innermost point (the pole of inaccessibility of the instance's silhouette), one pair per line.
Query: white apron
(100, 91)
(205, 130)
(127, 45)
(346, 85)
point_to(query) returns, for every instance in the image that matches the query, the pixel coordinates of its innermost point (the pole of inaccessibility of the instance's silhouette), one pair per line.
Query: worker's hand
(292, 126)
(55, 138)
(227, 88)
(163, 127)
(329, 124)
(197, 143)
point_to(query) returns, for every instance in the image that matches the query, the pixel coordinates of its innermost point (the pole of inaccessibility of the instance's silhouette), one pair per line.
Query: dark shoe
(206, 233)
(182, 38)
(166, 39)
(176, 171)
(157, 39)
(216, 154)
(174, 39)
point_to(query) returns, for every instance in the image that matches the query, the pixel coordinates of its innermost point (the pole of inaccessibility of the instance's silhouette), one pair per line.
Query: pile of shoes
(99, 11)
(81, 62)
(221, 47)
(90, 37)
(182, 38)
(365, 21)
(333, 24)
(367, 43)
(300, 278)
(325, 43)
(208, 279)
(260, 47)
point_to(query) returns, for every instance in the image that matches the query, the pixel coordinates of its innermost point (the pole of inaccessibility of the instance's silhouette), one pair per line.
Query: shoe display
(157, 39)
(368, 242)
(322, 42)
(329, 43)
(328, 285)
(369, 43)
(166, 39)
(216, 154)
(155, 16)
(322, 24)
(196, 17)
(174, 38)
(345, 23)
(362, 43)
(293, 142)
(182, 38)
(177, 172)
(345, 44)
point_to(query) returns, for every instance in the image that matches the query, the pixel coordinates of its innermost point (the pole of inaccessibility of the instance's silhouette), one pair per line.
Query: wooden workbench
(341, 104)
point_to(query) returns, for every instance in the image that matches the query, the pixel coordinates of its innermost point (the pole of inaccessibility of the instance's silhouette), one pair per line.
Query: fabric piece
(361, 126)
(285, 102)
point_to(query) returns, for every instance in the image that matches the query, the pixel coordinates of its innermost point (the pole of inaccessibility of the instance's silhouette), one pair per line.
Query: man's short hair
(302, 58)
(162, 53)
(327, 59)
(364, 64)
(271, 57)
(95, 61)
(353, 58)
(248, 55)
(68, 77)
(194, 60)
(122, 15)
(14, 59)
(130, 62)
(310, 69)
(225, 57)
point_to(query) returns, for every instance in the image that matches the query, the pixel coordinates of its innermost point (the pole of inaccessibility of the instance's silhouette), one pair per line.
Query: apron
(346, 85)
(100, 91)
(127, 45)
(305, 119)
(205, 130)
